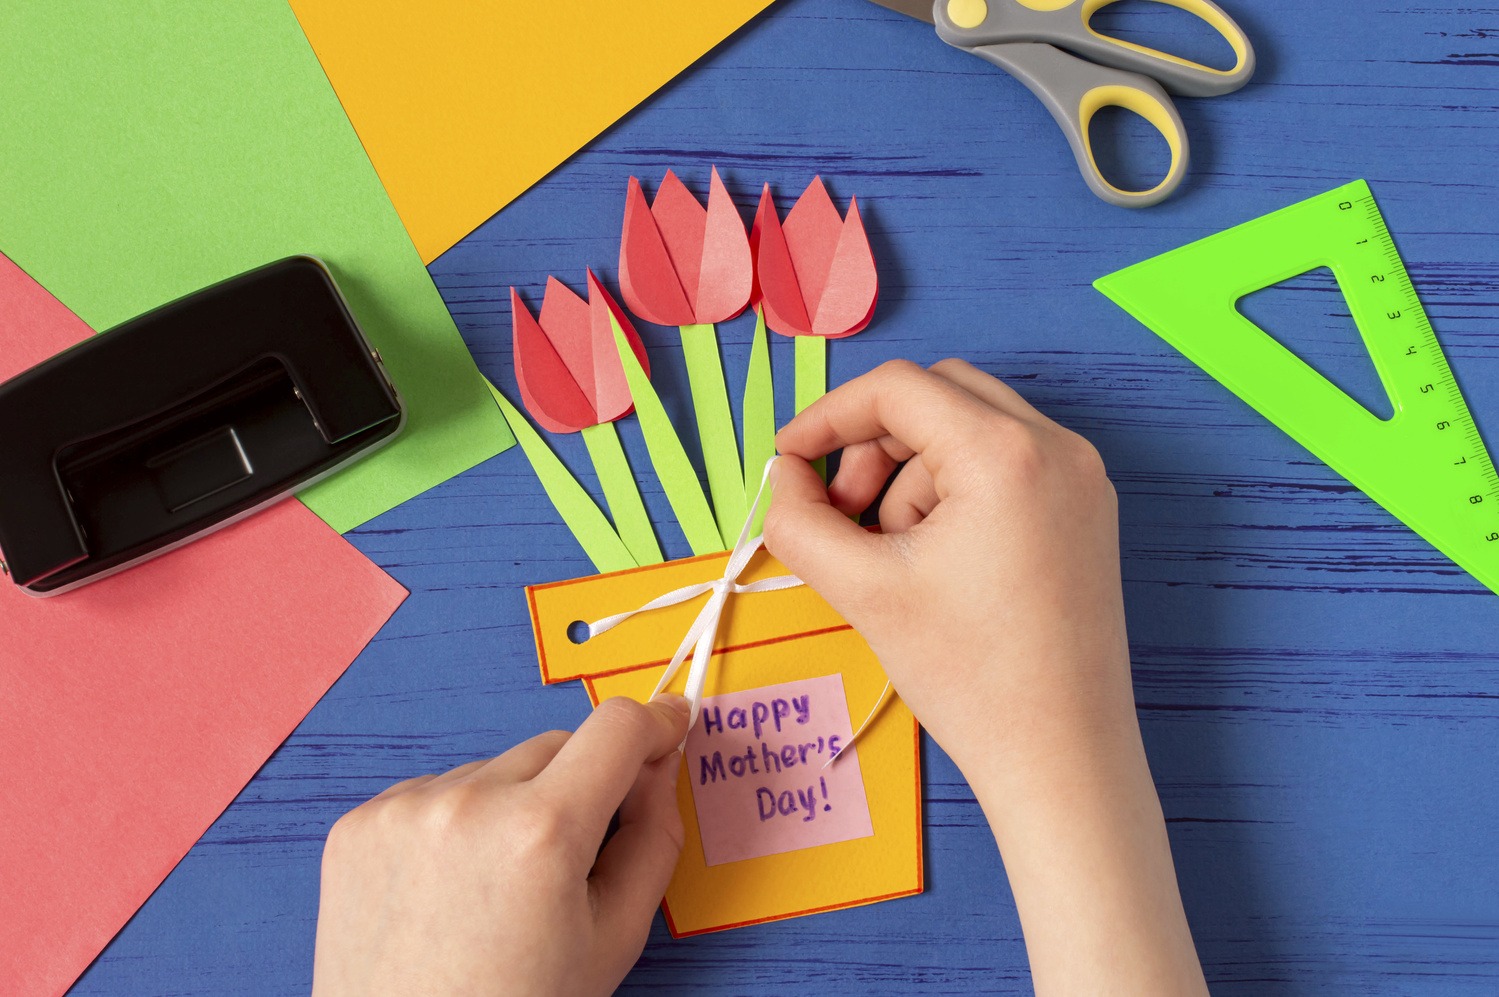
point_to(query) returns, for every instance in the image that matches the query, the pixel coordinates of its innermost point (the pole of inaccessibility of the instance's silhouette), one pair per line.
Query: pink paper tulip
(680, 263)
(567, 364)
(814, 273)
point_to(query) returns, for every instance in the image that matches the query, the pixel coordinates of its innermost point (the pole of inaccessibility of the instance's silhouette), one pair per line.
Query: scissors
(1051, 47)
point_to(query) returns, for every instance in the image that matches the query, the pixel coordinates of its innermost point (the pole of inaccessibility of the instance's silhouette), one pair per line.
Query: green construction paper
(715, 429)
(623, 495)
(811, 370)
(155, 148)
(602, 545)
(668, 457)
(759, 412)
(811, 378)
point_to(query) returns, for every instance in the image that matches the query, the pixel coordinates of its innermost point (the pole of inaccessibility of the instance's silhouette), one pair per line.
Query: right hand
(993, 599)
(992, 595)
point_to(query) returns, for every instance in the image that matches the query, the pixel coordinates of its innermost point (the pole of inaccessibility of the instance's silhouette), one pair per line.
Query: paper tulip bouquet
(775, 827)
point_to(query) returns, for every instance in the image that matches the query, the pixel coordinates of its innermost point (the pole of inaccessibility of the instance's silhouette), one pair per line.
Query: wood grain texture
(1318, 688)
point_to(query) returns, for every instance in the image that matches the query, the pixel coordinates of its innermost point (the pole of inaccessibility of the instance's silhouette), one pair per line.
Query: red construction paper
(681, 263)
(132, 711)
(815, 274)
(775, 276)
(646, 275)
(566, 363)
(812, 228)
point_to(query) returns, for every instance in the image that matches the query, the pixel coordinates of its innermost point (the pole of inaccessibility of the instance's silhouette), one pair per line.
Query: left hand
(489, 879)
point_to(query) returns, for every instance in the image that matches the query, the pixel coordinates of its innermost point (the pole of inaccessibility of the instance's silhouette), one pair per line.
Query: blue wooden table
(1318, 688)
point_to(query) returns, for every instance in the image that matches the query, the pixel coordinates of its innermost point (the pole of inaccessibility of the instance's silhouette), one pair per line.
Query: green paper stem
(715, 429)
(602, 545)
(623, 495)
(668, 457)
(811, 378)
(759, 418)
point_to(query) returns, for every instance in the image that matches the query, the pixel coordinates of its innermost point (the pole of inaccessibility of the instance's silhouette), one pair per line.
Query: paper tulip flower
(572, 381)
(680, 263)
(814, 279)
(815, 273)
(568, 368)
(686, 265)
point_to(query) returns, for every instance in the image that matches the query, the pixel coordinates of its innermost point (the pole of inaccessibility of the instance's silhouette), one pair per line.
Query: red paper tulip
(681, 263)
(815, 273)
(567, 364)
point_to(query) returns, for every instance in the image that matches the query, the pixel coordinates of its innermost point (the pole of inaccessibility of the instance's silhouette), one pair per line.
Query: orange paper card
(795, 672)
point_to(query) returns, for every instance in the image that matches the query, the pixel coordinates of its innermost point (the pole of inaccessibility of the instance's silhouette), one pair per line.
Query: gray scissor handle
(1074, 89)
(1069, 26)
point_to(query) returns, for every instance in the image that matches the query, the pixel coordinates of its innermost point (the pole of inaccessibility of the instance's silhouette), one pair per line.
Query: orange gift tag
(754, 765)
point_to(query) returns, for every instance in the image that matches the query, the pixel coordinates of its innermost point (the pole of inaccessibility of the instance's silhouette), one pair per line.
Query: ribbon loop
(700, 637)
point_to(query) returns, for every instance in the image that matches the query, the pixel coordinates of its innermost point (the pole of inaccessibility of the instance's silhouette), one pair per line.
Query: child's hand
(992, 595)
(489, 878)
(993, 599)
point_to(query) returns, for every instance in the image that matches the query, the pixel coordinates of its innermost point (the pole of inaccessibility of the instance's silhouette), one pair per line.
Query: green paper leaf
(573, 504)
(811, 378)
(154, 149)
(623, 495)
(759, 417)
(667, 456)
(715, 429)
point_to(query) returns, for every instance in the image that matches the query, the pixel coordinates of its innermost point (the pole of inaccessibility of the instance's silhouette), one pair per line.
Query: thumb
(842, 561)
(632, 872)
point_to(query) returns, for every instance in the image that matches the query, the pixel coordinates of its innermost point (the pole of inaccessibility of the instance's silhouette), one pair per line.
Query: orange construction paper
(767, 639)
(136, 708)
(462, 106)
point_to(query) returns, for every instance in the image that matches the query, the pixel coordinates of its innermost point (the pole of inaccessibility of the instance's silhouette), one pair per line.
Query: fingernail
(678, 703)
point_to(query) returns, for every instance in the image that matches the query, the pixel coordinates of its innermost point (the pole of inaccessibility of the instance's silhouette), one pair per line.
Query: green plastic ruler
(1426, 464)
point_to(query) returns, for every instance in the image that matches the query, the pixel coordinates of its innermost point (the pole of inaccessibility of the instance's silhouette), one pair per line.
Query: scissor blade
(919, 9)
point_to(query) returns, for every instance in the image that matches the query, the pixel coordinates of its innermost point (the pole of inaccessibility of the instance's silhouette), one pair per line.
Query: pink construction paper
(756, 764)
(132, 711)
(681, 263)
(814, 274)
(566, 362)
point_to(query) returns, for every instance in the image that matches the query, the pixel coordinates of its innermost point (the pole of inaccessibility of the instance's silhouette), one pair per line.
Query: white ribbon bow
(703, 633)
(704, 630)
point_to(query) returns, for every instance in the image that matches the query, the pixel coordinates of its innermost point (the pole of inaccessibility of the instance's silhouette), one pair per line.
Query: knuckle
(445, 814)
(344, 828)
(952, 365)
(536, 830)
(899, 368)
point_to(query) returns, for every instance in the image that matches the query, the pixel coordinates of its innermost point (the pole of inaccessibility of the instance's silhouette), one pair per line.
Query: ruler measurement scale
(1396, 328)
(1427, 464)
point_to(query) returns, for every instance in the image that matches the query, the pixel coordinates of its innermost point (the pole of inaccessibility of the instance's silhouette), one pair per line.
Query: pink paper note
(756, 760)
(132, 711)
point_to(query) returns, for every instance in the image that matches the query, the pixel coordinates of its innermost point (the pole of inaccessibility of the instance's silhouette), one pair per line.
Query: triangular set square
(1426, 464)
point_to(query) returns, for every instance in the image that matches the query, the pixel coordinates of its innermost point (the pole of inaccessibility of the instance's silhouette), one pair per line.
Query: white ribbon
(704, 630)
(703, 633)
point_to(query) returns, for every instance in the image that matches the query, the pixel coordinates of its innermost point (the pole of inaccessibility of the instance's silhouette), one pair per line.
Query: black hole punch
(1309, 316)
(1129, 152)
(577, 632)
(1166, 29)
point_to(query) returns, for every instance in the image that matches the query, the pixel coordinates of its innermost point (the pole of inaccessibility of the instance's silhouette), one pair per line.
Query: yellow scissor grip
(1215, 18)
(1146, 107)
